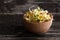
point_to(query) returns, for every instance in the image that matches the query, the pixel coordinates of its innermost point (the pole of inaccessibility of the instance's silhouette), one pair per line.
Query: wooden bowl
(38, 27)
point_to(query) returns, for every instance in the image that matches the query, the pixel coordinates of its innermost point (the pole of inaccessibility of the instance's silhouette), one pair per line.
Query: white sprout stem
(30, 8)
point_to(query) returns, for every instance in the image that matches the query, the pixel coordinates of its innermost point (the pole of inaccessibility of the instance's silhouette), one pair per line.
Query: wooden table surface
(11, 28)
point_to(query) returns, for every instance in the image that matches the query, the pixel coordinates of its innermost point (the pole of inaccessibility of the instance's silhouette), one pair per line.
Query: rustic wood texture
(12, 28)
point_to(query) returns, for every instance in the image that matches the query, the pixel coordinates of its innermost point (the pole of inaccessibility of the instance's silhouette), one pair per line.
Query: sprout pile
(37, 15)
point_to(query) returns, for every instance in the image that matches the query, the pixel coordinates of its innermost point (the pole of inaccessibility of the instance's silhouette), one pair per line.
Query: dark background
(11, 21)
(11, 12)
